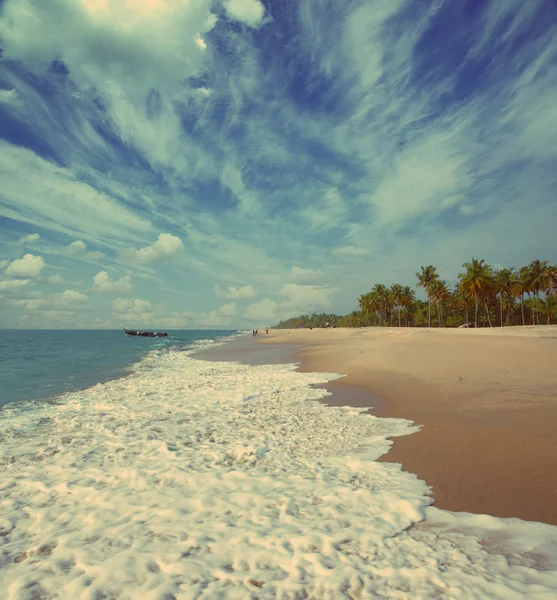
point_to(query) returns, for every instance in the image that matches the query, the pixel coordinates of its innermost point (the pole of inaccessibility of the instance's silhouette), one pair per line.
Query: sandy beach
(486, 400)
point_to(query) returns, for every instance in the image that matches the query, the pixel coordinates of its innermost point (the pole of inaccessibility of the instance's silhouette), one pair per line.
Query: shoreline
(486, 402)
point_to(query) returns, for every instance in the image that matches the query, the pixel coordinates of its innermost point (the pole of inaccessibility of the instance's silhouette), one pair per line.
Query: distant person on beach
(256, 331)
(267, 330)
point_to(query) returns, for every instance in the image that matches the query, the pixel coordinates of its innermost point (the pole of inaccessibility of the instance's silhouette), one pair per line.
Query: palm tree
(523, 287)
(505, 282)
(381, 295)
(426, 277)
(397, 293)
(551, 282)
(441, 293)
(407, 301)
(537, 271)
(477, 281)
(550, 306)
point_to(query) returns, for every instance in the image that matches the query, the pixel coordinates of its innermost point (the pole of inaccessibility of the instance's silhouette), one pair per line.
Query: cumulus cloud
(249, 12)
(41, 302)
(28, 266)
(152, 45)
(228, 310)
(13, 285)
(78, 250)
(264, 310)
(29, 238)
(166, 246)
(76, 247)
(102, 282)
(133, 305)
(69, 296)
(235, 293)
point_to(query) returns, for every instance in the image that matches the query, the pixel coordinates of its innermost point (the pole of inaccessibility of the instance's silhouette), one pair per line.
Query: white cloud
(150, 45)
(425, 179)
(249, 12)
(95, 255)
(69, 296)
(306, 275)
(29, 238)
(10, 98)
(43, 194)
(264, 310)
(166, 246)
(307, 298)
(56, 279)
(12, 285)
(28, 266)
(235, 293)
(228, 310)
(78, 250)
(133, 305)
(466, 209)
(200, 42)
(103, 283)
(76, 247)
(326, 212)
(349, 251)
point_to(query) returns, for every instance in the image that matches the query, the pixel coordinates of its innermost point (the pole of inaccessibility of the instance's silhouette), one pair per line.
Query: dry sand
(486, 398)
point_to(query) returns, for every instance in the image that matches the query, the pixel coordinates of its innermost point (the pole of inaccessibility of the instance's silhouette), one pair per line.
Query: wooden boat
(145, 333)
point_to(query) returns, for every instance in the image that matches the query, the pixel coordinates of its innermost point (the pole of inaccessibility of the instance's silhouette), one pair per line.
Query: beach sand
(486, 400)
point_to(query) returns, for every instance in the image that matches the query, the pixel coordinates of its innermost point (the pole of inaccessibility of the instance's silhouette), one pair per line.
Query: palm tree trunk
(429, 311)
(487, 313)
(477, 305)
(501, 310)
(522, 307)
(439, 313)
(399, 316)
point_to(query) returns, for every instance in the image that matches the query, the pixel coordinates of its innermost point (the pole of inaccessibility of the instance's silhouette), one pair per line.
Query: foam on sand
(193, 479)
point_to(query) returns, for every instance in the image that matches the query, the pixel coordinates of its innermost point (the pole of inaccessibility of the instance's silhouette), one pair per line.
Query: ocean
(153, 475)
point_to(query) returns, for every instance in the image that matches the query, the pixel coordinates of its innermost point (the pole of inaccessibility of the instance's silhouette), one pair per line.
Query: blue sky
(229, 163)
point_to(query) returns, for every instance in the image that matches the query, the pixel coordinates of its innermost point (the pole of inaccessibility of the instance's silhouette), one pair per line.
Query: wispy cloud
(347, 140)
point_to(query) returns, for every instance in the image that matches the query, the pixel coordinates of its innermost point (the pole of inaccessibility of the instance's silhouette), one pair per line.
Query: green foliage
(483, 296)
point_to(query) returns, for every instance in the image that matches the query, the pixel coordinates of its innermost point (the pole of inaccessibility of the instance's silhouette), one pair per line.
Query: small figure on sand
(267, 330)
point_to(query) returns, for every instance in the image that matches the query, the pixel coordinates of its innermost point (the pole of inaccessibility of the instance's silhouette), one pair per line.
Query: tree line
(482, 297)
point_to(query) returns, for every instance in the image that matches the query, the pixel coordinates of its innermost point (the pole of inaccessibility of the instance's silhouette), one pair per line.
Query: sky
(229, 163)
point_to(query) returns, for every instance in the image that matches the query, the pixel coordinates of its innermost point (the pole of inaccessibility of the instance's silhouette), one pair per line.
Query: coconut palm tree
(551, 282)
(382, 299)
(537, 271)
(550, 307)
(505, 282)
(426, 277)
(477, 281)
(407, 301)
(523, 287)
(397, 294)
(365, 302)
(440, 293)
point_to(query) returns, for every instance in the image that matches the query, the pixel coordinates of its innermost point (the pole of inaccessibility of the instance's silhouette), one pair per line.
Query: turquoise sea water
(43, 363)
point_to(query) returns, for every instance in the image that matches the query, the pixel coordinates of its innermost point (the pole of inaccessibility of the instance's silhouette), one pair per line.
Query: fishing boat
(145, 333)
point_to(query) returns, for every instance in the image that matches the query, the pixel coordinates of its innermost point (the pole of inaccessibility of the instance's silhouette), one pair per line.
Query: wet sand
(486, 400)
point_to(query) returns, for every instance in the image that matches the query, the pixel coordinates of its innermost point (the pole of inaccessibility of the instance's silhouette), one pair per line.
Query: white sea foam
(192, 479)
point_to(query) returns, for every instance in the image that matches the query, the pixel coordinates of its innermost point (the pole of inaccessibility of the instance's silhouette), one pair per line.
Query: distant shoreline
(486, 400)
